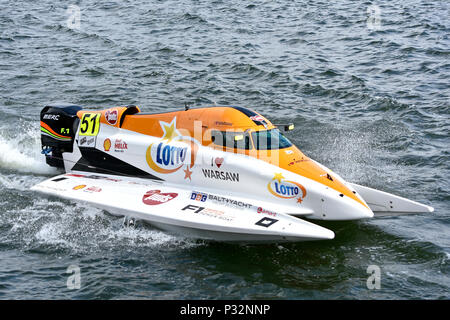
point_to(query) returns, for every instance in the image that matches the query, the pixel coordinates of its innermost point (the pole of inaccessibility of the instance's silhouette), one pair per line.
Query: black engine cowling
(58, 127)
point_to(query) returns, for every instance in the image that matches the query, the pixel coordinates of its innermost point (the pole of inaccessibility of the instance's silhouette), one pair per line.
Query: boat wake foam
(22, 154)
(57, 226)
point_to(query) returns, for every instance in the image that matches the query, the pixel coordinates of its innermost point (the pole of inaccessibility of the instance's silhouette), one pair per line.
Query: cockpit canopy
(226, 127)
(271, 139)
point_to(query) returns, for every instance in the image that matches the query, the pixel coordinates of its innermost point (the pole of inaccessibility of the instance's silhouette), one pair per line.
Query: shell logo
(286, 189)
(107, 144)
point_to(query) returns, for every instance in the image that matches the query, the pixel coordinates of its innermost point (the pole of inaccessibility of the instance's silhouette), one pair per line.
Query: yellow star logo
(170, 130)
(278, 176)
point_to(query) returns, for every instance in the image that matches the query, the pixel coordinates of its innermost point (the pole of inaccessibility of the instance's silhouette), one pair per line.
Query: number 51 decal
(90, 124)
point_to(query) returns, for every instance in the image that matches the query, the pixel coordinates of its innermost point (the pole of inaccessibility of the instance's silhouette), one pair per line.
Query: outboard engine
(58, 127)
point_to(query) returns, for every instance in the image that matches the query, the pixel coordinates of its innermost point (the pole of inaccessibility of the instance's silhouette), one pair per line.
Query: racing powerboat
(215, 173)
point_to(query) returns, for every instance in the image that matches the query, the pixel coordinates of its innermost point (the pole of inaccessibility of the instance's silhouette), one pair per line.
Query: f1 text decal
(208, 212)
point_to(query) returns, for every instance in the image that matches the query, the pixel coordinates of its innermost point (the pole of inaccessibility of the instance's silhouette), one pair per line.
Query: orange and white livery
(217, 173)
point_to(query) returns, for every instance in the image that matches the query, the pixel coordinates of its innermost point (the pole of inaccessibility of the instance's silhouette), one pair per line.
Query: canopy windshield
(270, 140)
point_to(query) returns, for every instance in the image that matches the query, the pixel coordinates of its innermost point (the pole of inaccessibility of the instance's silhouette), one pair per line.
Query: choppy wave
(64, 227)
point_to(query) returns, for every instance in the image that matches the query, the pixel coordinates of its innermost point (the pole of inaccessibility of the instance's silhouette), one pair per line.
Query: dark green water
(370, 100)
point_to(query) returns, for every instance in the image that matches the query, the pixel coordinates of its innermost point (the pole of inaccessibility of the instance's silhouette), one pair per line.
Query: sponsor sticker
(266, 222)
(155, 197)
(229, 202)
(87, 141)
(93, 189)
(257, 118)
(54, 188)
(120, 145)
(264, 211)
(107, 144)
(286, 189)
(208, 212)
(54, 117)
(75, 175)
(223, 123)
(111, 117)
(198, 196)
(79, 187)
(172, 152)
(221, 175)
(296, 161)
(92, 177)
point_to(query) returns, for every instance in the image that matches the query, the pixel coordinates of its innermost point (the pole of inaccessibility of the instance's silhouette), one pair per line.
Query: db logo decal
(155, 197)
(198, 196)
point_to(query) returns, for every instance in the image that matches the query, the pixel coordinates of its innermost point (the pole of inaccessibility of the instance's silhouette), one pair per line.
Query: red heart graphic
(155, 197)
(219, 162)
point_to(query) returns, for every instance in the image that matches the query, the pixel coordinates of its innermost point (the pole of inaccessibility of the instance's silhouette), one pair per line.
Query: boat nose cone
(326, 234)
(361, 212)
(317, 232)
(340, 207)
(306, 230)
